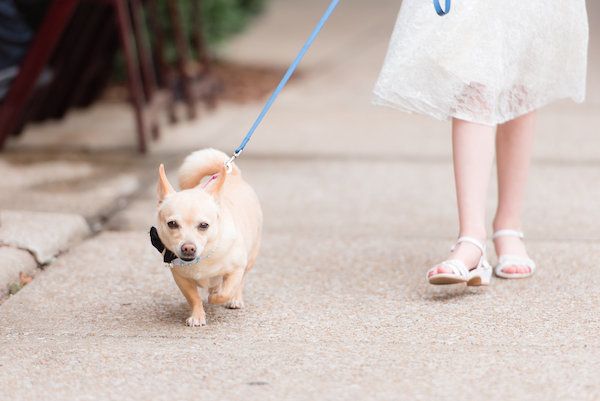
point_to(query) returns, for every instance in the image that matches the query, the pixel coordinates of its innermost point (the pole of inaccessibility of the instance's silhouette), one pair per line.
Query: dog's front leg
(232, 283)
(189, 289)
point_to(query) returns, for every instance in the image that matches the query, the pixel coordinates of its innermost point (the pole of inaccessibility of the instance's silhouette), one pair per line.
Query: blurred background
(107, 89)
(57, 56)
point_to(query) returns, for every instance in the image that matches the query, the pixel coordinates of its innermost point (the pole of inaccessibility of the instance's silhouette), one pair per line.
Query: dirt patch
(238, 83)
(243, 83)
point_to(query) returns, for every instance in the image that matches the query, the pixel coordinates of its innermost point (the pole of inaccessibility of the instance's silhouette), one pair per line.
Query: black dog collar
(168, 256)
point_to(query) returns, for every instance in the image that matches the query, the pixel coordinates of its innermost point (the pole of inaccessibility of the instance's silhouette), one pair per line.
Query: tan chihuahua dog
(209, 231)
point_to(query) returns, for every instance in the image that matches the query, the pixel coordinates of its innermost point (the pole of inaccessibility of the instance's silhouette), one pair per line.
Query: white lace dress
(488, 61)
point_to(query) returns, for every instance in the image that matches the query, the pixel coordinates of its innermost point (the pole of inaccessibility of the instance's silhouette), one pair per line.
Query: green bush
(222, 18)
(226, 17)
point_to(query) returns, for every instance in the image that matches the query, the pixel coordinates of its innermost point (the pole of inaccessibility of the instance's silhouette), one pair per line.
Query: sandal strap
(470, 240)
(457, 266)
(510, 260)
(507, 232)
(514, 260)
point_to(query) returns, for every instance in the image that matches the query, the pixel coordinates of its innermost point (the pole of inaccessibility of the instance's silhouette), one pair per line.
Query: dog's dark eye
(172, 224)
(203, 226)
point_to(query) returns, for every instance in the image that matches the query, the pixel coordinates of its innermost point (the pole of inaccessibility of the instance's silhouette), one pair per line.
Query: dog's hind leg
(232, 283)
(189, 289)
(237, 301)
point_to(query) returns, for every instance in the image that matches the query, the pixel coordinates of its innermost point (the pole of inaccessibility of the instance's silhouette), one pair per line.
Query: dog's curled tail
(201, 164)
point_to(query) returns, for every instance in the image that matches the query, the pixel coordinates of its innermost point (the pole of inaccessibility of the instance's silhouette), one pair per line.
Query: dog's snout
(188, 249)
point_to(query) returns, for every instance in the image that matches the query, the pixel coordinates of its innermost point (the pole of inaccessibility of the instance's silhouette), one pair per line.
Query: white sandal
(512, 260)
(479, 275)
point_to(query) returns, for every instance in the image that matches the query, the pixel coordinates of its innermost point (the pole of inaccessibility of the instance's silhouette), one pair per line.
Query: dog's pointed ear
(215, 183)
(164, 186)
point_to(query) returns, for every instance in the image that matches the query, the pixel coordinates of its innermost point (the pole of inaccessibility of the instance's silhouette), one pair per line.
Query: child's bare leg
(514, 145)
(473, 149)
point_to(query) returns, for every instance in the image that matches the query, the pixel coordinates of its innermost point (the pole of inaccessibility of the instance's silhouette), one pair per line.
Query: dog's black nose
(188, 249)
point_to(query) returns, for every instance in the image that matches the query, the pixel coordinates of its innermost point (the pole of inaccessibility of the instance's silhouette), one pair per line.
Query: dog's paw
(195, 322)
(235, 304)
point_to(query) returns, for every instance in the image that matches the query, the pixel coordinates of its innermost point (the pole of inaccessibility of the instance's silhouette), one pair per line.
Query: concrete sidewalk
(358, 202)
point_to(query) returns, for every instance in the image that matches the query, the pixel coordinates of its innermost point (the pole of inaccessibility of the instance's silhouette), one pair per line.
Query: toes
(439, 270)
(517, 269)
(444, 270)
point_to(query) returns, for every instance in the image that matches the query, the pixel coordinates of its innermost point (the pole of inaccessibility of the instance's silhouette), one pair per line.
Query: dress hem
(380, 100)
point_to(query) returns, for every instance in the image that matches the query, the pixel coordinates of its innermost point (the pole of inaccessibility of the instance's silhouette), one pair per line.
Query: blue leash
(294, 66)
(438, 7)
(284, 81)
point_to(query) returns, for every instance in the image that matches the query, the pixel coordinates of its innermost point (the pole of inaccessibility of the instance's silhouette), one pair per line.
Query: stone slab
(12, 262)
(45, 235)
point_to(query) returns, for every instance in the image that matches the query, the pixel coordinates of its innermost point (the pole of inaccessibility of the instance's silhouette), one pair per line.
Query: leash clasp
(228, 163)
